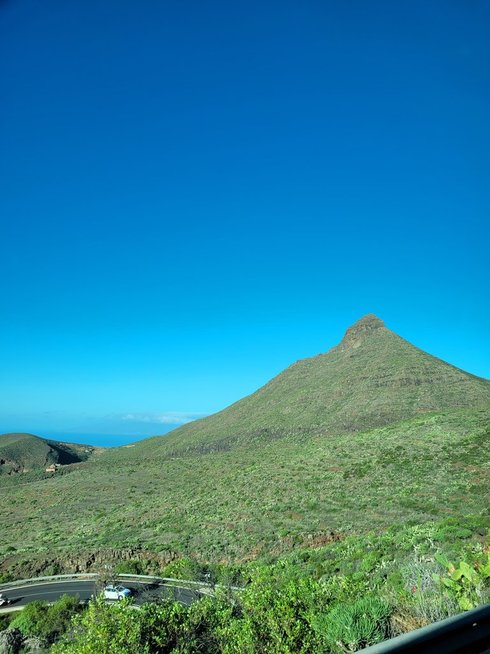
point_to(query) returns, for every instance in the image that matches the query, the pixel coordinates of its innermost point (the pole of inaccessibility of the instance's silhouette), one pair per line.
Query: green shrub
(31, 619)
(277, 609)
(421, 595)
(349, 627)
(452, 533)
(130, 567)
(104, 629)
(184, 568)
(45, 621)
(466, 583)
(167, 627)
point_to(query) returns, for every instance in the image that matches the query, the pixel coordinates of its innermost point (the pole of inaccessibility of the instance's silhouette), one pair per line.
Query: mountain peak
(367, 323)
(362, 328)
(371, 379)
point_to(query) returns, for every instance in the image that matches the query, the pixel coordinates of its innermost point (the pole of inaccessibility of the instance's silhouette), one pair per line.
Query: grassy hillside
(372, 378)
(23, 453)
(372, 434)
(250, 502)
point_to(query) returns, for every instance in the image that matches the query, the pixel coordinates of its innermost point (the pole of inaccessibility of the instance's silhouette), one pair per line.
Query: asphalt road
(51, 591)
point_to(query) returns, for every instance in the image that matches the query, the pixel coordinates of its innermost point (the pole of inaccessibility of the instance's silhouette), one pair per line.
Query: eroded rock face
(359, 331)
(85, 561)
(33, 645)
(92, 561)
(10, 641)
(10, 467)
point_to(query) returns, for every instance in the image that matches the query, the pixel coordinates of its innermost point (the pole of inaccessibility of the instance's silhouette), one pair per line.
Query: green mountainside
(371, 379)
(372, 434)
(22, 453)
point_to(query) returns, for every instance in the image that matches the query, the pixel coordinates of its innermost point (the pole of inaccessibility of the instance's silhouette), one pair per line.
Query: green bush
(452, 533)
(349, 627)
(162, 628)
(184, 568)
(31, 620)
(131, 567)
(45, 621)
(104, 629)
(273, 614)
(276, 613)
(466, 583)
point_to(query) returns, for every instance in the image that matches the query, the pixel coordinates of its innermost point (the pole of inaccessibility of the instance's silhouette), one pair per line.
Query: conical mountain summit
(359, 330)
(372, 378)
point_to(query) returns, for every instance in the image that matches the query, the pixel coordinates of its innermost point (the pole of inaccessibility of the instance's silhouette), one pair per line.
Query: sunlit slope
(21, 453)
(251, 501)
(371, 379)
(373, 433)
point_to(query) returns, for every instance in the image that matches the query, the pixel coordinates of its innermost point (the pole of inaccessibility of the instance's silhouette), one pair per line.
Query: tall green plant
(464, 581)
(349, 627)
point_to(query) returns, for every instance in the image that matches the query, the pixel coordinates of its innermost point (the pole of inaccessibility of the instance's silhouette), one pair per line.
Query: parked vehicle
(116, 592)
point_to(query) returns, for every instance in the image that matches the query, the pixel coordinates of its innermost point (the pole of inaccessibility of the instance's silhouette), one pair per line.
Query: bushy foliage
(105, 628)
(281, 611)
(163, 628)
(130, 567)
(358, 595)
(349, 627)
(420, 593)
(308, 601)
(46, 621)
(275, 613)
(466, 582)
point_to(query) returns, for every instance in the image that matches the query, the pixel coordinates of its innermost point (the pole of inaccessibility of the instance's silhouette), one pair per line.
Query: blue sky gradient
(194, 195)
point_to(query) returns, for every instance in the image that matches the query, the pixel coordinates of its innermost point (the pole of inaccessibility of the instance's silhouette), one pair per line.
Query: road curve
(85, 589)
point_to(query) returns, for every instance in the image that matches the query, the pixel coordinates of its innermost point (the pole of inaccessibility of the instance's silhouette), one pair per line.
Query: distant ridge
(21, 453)
(372, 378)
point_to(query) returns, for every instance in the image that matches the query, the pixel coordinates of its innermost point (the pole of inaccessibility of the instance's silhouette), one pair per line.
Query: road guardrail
(40, 580)
(181, 582)
(93, 575)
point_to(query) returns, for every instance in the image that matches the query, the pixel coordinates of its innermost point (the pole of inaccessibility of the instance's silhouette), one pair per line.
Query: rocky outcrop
(34, 645)
(85, 561)
(10, 641)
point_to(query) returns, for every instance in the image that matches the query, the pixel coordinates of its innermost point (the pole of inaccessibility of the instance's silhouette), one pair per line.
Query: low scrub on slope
(249, 503)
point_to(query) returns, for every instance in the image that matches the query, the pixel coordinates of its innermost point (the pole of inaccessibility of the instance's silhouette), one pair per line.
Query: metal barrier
(41, 580)
(93, 575)
(181, 582)
(467, 633)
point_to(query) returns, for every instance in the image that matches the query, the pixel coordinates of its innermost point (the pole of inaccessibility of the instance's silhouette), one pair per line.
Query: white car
(116, 592)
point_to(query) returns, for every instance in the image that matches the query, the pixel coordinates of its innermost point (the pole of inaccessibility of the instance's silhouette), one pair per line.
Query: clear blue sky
(196, 194)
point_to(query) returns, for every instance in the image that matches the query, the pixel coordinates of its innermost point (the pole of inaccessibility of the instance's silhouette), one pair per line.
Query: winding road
(51, 591)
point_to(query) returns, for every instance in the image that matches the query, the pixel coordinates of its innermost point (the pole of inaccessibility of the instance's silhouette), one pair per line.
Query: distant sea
(99, 440)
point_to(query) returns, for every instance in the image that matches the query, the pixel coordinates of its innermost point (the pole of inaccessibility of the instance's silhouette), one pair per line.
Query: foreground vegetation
(332, 599)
